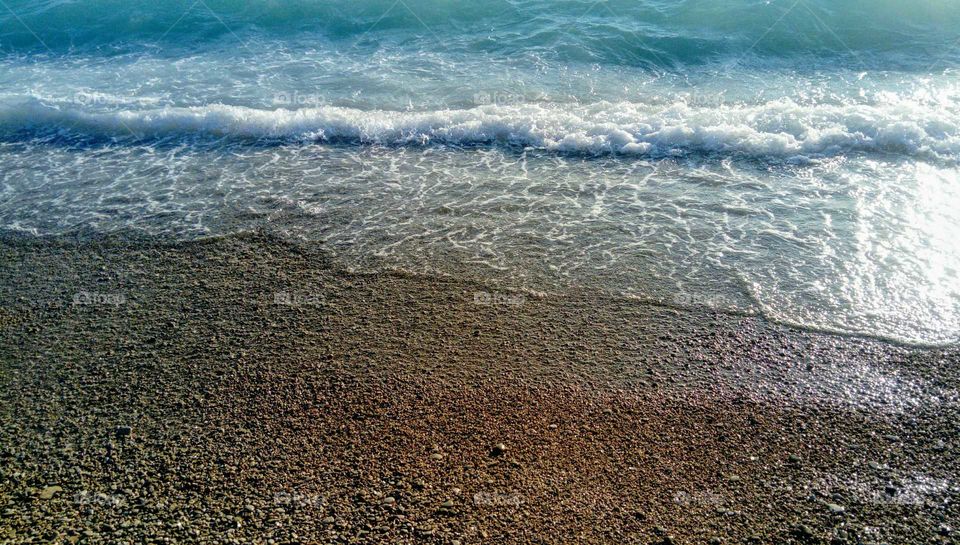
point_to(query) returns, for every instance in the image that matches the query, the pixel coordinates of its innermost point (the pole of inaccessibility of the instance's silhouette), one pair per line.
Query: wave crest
(779, 129)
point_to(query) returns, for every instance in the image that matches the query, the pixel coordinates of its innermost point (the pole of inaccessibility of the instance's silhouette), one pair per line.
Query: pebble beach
(244, 390)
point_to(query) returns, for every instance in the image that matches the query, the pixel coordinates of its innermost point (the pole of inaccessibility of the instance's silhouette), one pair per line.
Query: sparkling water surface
(795, 159)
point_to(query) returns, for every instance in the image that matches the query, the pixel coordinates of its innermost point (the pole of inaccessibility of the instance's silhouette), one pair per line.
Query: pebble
(49, 492)
(794, 459)
(498, 449)
(389, 500)
(803, 531)
(329, 520)
(436, 456)
(836, 509)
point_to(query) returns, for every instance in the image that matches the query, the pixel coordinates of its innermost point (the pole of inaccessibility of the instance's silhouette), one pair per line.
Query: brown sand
(368, 409)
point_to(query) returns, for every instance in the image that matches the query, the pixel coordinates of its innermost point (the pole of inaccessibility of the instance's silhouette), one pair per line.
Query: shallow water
(797, 159)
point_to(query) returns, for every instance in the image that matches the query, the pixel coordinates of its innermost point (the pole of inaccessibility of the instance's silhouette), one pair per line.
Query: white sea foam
(779, 129)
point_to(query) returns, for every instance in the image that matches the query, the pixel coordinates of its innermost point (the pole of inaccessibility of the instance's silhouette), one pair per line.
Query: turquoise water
(797, 159)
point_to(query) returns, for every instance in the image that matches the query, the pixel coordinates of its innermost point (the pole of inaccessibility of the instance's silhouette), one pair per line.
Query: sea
(793, 159)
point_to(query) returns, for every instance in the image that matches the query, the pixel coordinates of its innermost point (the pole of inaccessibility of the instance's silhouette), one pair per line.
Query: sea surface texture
(794, 158)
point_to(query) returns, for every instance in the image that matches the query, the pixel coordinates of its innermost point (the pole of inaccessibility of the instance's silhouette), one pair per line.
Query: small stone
(49, 492)
(552, 426)
(498, 449)
(944, 530)
(436, 456)
(389, 500)
(733, 478)
(836, 509)
(448, 508)
(715, 541)
(794, 459)
(803, 531)
(329, 520)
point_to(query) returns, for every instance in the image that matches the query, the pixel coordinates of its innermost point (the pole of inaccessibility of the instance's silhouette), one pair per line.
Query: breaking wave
(780, 129)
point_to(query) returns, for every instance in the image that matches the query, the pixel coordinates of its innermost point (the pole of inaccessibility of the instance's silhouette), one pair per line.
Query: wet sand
(243, 390)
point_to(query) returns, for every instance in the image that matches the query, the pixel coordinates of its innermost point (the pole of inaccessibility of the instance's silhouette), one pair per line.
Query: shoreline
(239, 389)
(126, 239)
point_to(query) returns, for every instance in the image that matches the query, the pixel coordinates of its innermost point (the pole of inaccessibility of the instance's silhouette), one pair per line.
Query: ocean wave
(779, 129)
(661, 33)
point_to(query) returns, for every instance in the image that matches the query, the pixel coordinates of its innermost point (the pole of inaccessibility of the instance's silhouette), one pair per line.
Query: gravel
(202, 411)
